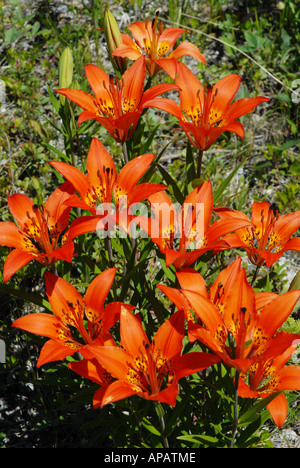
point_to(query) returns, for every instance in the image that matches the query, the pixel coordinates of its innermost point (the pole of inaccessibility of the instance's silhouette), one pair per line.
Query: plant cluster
(192, 337)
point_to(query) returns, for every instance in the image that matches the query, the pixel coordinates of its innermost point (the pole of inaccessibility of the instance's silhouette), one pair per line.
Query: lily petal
(83, 99)
(114, 392)
(132, 332)
(193, 362)
(54, 351)
(97, 293)
(187, 48)
(65, 300)
(168, 338)
(15, 260)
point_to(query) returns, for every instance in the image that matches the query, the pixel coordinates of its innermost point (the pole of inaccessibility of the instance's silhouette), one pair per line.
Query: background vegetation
(256, 39)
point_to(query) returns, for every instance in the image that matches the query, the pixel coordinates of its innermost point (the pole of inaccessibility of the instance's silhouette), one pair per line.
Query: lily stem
(255, 275)
(236, 408)
(200, 156)
(109, 251)
(125, 153)
(160, 414)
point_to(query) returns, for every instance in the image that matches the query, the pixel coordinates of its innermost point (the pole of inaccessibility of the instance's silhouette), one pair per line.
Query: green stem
(125, 153)
(136, 415)
(236, 408)
(160, 413)
(109, 251)
(200, 156)
(255, 275)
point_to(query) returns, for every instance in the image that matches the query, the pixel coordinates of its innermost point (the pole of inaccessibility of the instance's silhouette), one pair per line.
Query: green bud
(113, 40)
(295, 283)
(65, 70)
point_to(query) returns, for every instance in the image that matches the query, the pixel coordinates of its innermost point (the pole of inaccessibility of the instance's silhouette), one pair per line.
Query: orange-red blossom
(156, 43)
(269, 375)
(140, 367)
(117, 104)
(189, 226)
(242, 328)
(268, 236)
(206, 112)
(38, 234)
(107, 195)
(235, 323)
(76, 321)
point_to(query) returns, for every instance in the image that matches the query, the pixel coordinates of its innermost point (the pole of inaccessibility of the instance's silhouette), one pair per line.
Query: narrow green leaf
(167, 270)
(29, 297)
(55, 103)
(147, 143)
(150, 171)
(247, 434)
(147, 424)
(251, 414)
(199, 438)
(288, 144)
(190, 164)
(171, 182)
(217, 195)
(62, 155)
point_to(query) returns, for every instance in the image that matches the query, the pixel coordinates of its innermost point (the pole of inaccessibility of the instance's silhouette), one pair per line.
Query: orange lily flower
(92, 370)
(231, 309)
(116, 104)
(151, 40)
(268, 236)
(141, 367)
(206, 112)
(70, 310)
(270, 375)
(190, 223)
(102, 184)
(39, 231)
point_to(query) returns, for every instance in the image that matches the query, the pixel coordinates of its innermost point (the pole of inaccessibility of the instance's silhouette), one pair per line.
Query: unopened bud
(295, 283)
(65, 70)
(113, 40)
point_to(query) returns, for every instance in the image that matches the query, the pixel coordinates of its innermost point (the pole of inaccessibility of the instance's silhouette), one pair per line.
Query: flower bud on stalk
(113, 39)
(65, 70)
(295, 283)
